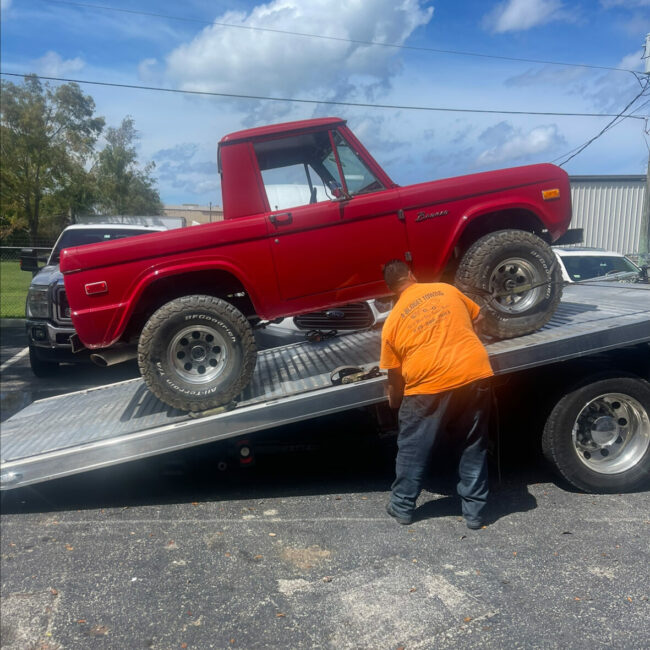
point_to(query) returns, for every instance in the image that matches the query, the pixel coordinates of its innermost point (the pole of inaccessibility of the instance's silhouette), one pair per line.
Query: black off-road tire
(197, 353)
(598, 435)
(41, 367)
(495, 271)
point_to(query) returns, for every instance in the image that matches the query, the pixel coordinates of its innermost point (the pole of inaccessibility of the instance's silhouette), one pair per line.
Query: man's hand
(395, 387)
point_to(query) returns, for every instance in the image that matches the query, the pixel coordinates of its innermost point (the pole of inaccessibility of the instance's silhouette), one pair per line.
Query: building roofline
(609, 177)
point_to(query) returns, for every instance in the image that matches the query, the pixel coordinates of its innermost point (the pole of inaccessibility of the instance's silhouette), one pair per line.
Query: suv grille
(61, 306)
(354, 316)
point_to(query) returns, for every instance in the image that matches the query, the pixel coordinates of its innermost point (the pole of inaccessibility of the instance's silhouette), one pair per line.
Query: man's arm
(478, 321)
(395, 387)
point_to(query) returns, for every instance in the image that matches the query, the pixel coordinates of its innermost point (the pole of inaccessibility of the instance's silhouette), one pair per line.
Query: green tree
(122, 186)
(47, 136)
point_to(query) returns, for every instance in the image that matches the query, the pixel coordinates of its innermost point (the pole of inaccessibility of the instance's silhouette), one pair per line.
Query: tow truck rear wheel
(598, 435)
(514, 276)
(197, 352)
(41, 367)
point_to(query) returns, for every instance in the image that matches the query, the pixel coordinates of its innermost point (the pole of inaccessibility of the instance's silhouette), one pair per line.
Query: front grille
(61, 307)
(354, 316)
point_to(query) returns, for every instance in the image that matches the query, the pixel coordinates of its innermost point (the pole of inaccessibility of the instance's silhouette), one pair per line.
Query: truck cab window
(295, 170)
(358, 178)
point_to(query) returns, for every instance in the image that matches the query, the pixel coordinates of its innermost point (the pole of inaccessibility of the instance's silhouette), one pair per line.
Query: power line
(318, 101)
(617, 120)
(336, 38)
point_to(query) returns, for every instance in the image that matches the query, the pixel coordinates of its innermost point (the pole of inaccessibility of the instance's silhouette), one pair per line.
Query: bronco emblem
(423, 216)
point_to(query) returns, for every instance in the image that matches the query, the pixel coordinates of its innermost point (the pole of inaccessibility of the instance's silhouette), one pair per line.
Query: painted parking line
(17, 357)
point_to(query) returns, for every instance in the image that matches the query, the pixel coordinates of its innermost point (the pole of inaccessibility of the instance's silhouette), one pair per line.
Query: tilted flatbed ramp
(112, 424)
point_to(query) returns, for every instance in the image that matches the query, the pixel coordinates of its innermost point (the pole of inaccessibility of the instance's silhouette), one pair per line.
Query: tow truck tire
(502, 262)
(197, 353)
(598, 435)
(41, 367)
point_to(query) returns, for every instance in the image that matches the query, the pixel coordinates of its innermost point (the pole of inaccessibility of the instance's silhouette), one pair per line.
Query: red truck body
(307, 257)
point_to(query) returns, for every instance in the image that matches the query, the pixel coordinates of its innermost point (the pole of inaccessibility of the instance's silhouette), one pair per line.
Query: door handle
(281, 219)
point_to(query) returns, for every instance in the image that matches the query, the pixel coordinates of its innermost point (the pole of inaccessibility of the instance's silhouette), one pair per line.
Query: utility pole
(644, 243)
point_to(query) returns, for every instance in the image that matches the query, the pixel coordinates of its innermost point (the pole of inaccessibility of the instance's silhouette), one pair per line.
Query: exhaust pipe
(113, 356)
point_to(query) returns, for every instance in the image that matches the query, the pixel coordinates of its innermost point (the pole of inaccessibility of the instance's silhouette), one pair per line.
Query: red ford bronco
(309, 220)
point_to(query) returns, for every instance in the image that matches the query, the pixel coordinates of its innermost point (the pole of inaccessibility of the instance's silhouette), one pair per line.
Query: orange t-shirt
(429, 335)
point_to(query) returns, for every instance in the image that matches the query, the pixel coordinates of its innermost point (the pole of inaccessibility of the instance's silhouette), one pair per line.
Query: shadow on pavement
(336, 455)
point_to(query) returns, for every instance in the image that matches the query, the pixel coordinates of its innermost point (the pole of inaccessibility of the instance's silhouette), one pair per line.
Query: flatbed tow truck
(585, 376)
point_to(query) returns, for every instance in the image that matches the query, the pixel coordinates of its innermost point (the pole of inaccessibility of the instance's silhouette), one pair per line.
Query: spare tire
(514, 276)
(197, 352)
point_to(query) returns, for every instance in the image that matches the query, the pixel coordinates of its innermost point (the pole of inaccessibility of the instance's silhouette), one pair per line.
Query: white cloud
(148, 70)
(509, 145)
(53, 65)
(632, 61)
(625, 4)
(612, 90)
(520, 15)
(244, 61)
(548, 75)
(180, 168)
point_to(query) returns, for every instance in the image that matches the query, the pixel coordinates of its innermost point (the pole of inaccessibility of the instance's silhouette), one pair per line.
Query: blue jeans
(460, 414)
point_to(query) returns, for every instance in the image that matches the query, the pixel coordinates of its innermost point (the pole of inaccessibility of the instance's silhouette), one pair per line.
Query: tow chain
(516, 290)
(351, 374)
(319, 335)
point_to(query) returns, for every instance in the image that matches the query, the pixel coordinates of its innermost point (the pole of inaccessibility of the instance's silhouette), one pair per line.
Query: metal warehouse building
(610, 210)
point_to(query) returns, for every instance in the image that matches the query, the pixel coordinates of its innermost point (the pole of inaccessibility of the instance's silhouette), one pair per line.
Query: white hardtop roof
(113, 226)
(584, 252)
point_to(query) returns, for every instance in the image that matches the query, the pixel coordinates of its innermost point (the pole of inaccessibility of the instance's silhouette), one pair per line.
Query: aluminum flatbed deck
(112, 424)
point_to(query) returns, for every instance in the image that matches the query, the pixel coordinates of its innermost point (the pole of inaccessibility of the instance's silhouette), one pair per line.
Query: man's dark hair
(395, 273)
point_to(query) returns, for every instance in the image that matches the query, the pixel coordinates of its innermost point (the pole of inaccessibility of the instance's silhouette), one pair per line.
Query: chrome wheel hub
(611, 433)
(198, 354)
(512, 285)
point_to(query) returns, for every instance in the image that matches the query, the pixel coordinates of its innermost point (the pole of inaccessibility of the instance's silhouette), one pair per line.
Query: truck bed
(112, 424)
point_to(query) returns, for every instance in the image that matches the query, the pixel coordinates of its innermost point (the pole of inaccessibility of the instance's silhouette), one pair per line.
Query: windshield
(302, 169)
(80, 237)
(596, 266)
(358, 178)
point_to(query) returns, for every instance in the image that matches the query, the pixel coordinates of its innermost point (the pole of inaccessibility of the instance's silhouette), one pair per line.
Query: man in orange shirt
(437, 371)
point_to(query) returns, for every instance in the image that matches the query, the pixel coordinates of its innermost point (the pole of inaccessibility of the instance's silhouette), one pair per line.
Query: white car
(596, 264)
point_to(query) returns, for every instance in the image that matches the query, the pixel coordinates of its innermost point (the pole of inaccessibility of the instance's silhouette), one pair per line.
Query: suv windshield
(592, 266)
(80, 237)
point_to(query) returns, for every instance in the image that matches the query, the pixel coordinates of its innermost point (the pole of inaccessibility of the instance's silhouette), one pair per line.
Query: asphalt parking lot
(297, 551)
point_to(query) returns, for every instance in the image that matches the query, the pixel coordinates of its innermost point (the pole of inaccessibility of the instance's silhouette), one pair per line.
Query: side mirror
(337, 191)
(643, 274)
(29, 260)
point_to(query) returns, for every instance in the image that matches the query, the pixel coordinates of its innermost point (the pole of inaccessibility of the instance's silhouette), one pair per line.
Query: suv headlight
(37, 302)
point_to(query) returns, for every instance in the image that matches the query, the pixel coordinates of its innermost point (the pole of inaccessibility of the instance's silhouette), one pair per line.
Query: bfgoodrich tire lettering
(598, 435)
(514, 276)
(197, 352)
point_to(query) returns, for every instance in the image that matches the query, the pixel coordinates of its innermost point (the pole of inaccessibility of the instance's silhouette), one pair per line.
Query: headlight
(37, 303)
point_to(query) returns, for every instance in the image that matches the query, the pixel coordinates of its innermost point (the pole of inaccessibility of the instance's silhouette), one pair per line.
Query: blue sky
(180, 132)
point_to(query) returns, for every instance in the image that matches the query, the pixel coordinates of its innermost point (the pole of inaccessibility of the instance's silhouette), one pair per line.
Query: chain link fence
(14, 282)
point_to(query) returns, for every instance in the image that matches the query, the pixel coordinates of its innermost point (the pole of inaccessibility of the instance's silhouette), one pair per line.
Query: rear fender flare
(482, 210)
(141, 284)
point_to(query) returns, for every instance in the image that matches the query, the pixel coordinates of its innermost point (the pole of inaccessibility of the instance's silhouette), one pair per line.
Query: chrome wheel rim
(508, 283)
(198, 354)
(611, 433)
